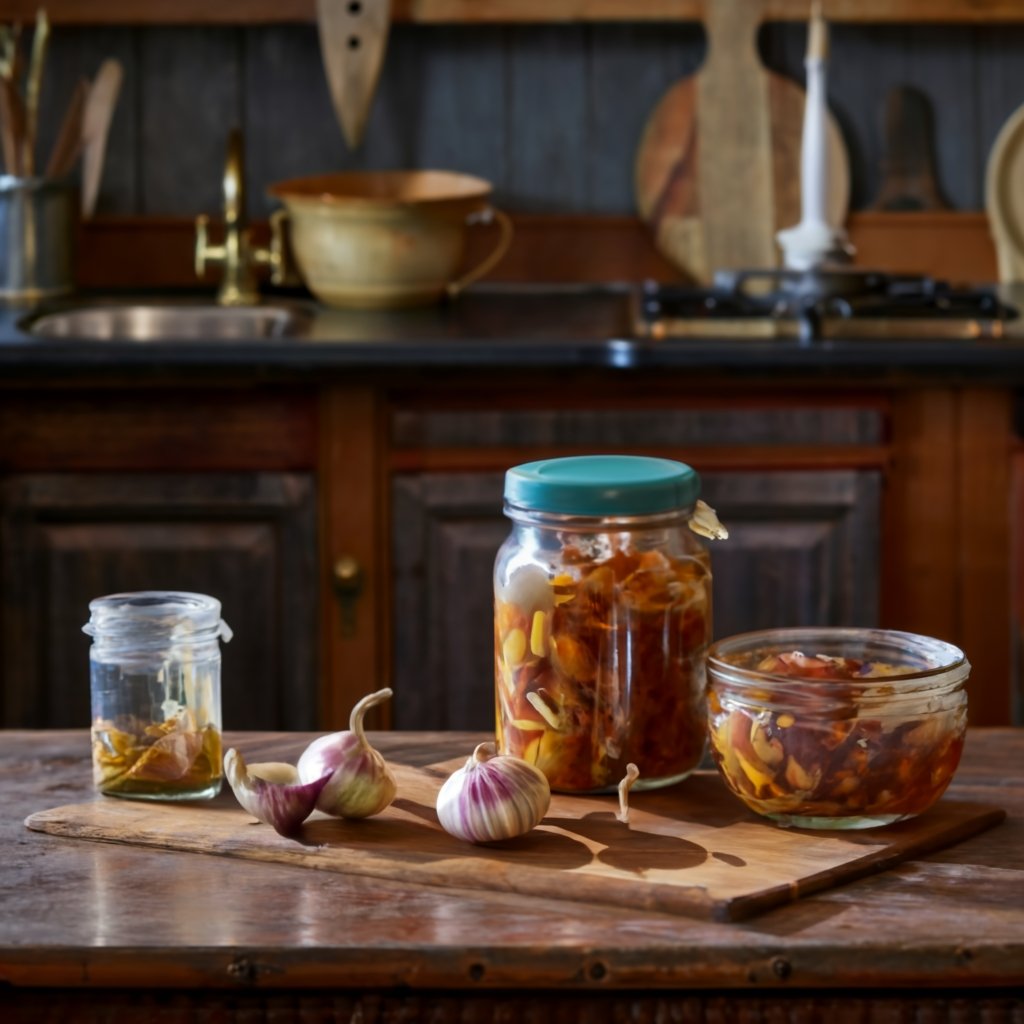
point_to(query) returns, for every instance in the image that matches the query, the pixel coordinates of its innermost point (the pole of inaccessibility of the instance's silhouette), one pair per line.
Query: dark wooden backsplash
(551, 114)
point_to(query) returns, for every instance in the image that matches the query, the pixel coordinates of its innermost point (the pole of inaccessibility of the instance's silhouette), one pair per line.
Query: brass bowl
(383, 239)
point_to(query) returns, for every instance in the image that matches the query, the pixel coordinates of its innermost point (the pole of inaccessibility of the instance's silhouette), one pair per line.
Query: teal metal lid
(601, 485)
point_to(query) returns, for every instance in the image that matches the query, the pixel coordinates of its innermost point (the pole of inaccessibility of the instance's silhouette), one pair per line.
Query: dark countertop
(510, 327)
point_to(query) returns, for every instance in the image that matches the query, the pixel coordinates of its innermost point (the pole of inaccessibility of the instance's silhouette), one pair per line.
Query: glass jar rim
(932, 664)
(180, 615)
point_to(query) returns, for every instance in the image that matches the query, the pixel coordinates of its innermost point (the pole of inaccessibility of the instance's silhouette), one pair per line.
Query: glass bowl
(836, 728)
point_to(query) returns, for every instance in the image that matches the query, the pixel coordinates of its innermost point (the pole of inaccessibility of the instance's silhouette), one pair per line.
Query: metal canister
(37, 236)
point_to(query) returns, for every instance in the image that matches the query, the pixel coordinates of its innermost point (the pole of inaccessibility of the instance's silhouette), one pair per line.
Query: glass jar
(155, 681)
(837, 728)
(602, 616)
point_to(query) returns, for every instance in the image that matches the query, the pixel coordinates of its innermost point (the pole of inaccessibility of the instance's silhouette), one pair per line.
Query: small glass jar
(602, 617)
(837, 728)
(155, 680)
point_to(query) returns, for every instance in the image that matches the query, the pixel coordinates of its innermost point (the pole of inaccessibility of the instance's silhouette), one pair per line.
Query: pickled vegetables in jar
(837, 728)
(602, 617)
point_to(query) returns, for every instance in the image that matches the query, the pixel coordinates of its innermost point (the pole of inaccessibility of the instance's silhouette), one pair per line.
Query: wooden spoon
(33, 85)
(96, 118)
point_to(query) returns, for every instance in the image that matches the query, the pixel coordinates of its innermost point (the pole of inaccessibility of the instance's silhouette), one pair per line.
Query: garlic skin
(359, 781)
(272, 792)
(493, 797)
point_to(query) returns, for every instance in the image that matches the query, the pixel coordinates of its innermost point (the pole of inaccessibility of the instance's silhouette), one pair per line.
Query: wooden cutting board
(692, 849)
(717, 170)
(1004, 197)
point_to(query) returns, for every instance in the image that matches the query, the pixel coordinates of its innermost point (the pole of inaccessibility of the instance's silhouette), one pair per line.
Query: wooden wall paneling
(547, 105)
(352, 513)
(462, 119)
(920, 537)
(943, 63)
(248, 540)
(77, 53)
(984, 550)
(290, 127)
(1000, 83)
(157, 252)
(190, 99)
(630, 67)
(396, 121)
(939, 60)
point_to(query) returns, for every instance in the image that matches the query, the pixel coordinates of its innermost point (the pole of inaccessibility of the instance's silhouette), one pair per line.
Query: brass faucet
(236, 253)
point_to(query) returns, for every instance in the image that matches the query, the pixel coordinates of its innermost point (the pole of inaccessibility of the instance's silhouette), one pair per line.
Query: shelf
(266, 12)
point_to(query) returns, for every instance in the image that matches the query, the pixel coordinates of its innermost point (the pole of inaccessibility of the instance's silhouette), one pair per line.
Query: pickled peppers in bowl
(830, 740)
(600, 631)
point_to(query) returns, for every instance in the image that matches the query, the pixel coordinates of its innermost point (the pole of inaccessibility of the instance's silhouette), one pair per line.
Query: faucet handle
(205, 252)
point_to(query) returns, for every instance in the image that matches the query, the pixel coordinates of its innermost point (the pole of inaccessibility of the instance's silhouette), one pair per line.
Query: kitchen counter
(502, 327)
(108, 928)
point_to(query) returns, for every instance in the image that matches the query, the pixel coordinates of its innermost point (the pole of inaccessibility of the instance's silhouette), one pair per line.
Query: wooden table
(94, 931)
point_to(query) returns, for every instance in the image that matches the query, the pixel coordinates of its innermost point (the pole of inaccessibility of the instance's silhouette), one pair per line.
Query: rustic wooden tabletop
(106, 925)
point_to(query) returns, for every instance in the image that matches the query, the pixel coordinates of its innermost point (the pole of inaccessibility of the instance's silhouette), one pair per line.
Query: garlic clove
(493, 797)
(360, 782)
(272, 792)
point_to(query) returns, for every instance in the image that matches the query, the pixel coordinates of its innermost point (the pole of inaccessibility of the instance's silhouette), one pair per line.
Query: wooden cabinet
(847, 504)
(804, 546)
(248, 539)
(232, 512)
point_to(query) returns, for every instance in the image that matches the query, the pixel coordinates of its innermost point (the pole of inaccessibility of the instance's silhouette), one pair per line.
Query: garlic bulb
(360, 783)
(272, 791)
(493, 797)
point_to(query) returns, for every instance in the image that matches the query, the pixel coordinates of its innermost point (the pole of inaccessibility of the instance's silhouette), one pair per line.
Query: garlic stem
(371, 700)
(632, 774)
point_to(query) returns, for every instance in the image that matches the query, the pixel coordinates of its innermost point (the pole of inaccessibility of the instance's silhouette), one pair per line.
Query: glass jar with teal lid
(602, 616)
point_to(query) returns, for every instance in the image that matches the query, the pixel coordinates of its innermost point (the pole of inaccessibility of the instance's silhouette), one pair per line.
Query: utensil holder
(37, 236)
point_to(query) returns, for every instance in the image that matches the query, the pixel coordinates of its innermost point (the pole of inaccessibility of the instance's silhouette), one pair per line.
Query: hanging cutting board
(692, 849)
(353, 40)
(717, 171)
(1004, 197)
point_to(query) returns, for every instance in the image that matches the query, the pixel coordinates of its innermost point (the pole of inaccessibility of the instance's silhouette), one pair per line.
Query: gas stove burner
(814, 304)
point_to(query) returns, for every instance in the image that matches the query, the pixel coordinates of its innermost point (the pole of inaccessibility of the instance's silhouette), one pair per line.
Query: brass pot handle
(496, 255)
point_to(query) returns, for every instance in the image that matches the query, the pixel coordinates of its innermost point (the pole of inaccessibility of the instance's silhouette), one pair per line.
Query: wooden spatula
(353, 40)
(12, 127)
(96, 118)
(69, 139)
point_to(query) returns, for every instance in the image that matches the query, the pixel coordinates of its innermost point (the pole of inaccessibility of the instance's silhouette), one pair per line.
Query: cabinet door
(803, 550)
(247, 539)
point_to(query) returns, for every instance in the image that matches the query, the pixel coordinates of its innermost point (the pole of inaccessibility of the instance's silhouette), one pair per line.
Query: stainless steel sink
(171, 322)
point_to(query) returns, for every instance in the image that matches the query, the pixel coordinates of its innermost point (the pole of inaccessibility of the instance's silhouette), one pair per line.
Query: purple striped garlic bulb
(493, 797)
(360, 783)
